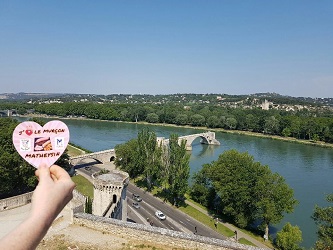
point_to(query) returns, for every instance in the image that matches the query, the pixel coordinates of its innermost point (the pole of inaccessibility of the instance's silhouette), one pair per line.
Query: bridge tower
(110, 194)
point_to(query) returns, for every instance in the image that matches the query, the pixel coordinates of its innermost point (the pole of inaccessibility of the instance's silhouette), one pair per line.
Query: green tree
(231, 122)
(181, 119)
(179, 168)
(21, 110)
(231, 176)
(213, 122)
(273, 197)
(127, 158)
(149, 155)
(323, 216)
(251, 122)
(201, 188)
(197, 120)
(295, 127)
(311, 128)
(247, 191)
(124, 114)
(271, 125)
(286, 132)
(152, 118)
(289, 237)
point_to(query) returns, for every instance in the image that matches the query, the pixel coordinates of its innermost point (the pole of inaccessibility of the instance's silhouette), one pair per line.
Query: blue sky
(166, 47)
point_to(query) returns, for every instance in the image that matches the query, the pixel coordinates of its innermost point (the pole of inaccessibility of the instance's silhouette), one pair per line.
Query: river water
(307, 169)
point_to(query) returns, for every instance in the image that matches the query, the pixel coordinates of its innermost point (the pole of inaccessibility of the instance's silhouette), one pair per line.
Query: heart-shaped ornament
(37, 144)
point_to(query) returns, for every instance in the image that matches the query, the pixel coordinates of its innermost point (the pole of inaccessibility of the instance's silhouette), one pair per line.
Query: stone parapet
(15, 201)
(139, 232)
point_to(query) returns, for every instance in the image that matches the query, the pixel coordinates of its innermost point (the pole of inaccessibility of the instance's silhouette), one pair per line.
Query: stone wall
(15, 201)
(78, 203)
(143, 233)
(78, 196)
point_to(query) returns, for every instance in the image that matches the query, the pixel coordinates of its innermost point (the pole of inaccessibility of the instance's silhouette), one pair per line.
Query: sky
(167, 47)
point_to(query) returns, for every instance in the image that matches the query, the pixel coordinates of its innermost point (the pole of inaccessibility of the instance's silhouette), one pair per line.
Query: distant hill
(179, 98)
(27, 96)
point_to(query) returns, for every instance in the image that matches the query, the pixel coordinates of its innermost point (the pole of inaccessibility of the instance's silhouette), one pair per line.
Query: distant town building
(265, 105)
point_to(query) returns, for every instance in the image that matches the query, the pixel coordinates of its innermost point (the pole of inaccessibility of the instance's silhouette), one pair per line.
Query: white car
(136, 197)
(136, 205)
(160, 215)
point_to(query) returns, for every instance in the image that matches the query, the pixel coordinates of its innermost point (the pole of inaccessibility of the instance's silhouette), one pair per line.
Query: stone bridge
(110, 154)
(101, 156)
(206, 138)
(5, 113)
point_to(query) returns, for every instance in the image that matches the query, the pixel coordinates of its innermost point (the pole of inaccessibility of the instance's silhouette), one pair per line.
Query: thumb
(43, 172)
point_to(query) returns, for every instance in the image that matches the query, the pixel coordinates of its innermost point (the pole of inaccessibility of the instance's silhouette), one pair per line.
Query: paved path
(11, 218)
(240, 234)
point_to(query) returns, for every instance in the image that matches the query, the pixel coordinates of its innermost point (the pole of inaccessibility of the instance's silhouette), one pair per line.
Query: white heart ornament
(37, 144)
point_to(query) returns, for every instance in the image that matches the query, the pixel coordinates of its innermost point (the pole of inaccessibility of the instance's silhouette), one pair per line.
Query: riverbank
(239, 132)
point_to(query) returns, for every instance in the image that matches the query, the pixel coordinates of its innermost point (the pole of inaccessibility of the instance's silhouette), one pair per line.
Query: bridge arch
(101, 157)
(206, 138)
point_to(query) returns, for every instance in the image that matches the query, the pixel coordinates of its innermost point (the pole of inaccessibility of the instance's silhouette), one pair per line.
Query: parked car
(136, 205)
(160, 215)
(136, 197)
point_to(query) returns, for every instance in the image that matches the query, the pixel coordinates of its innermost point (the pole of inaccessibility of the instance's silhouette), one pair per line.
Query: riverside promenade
(240, 234)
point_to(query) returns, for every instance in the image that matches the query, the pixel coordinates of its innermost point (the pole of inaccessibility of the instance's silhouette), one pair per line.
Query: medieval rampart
(139, 232)
(132, 231)
(15, 201)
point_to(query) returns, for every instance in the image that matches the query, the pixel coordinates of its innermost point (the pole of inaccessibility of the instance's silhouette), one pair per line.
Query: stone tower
(110, 194)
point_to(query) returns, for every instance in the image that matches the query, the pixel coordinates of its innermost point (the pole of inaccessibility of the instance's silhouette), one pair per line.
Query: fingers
(55, 172)
(58, 172)
(43, 172)
(54, 178)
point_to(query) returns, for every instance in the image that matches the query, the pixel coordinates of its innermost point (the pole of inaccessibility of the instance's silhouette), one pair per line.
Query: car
(136, 205)
(160, 215)
(136, 197)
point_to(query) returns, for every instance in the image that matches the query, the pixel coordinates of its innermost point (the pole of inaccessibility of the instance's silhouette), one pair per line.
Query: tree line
(304, 124)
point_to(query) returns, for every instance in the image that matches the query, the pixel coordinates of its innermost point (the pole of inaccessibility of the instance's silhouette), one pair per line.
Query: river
(307, 169)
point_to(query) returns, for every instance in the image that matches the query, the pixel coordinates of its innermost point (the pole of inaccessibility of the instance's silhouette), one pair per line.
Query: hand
(52, 193)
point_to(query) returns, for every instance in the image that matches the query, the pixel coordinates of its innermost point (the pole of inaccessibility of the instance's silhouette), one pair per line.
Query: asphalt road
(175, 219)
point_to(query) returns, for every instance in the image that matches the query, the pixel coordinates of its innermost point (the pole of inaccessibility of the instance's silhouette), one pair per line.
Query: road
(175, 219)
